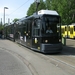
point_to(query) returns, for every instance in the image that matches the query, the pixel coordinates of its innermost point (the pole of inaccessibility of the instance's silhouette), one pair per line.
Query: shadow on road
(67, 50)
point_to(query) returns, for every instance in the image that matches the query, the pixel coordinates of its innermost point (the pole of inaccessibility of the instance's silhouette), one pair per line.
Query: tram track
(64, 59)
(64, 65)
(60, 58)
(26, 62)
(56, 58)
(67, 59)
(49, 58)
(61, 61)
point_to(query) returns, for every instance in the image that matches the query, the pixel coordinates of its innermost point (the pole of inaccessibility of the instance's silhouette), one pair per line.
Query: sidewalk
(37, 64)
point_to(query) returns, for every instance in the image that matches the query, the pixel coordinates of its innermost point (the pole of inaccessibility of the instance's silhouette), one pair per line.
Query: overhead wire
(19, 7)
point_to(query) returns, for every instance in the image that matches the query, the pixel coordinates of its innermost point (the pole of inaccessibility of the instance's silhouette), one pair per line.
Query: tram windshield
(50, 23)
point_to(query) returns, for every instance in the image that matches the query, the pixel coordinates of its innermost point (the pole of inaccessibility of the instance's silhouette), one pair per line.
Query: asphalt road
(12, 65)
(27, 61)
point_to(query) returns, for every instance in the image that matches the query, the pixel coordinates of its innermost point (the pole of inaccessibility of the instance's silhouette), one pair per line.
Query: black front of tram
(46, 42)
(50, 42)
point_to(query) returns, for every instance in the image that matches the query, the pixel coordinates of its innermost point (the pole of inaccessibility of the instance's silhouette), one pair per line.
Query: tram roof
(43, 12)
(49, 12)
(39, 14)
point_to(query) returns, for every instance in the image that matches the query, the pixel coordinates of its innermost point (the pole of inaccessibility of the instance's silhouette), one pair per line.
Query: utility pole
(37, 4)
(4, 13)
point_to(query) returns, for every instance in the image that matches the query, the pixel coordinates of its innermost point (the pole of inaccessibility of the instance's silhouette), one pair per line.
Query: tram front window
(50, 24)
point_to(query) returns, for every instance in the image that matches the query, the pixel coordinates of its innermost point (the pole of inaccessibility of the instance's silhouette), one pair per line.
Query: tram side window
(36, 32)
(68, 28)
(29, 28)
(62, 30)
(36, 28)
(71, 30)
(65, 28)
(24, 29)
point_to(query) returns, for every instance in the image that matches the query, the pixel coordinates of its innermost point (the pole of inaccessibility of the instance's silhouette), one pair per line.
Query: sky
(16, 9)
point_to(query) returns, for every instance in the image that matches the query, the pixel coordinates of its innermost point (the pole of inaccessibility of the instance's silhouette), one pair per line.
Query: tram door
(36, 34)
(28, 33)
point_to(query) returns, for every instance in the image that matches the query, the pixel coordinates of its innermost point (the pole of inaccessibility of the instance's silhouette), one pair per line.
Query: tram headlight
(36, 40)
(60, 40)
(46, 41)
(27, 34)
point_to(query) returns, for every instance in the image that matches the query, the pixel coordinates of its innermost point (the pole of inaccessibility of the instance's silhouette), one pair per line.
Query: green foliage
(32, 8)
(1, 26)
(42, 5)
(48, 4)
(65, 8)
(15, 20)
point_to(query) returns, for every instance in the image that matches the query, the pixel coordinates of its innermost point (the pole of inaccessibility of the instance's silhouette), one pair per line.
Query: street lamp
(4, 13)
(37, 4)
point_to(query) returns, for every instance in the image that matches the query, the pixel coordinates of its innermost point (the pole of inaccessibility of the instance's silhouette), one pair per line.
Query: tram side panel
(9, 32)
(72, 31)
(36, 39)
(68, 31)
(24, 33)
(63, 31)
(28, 33)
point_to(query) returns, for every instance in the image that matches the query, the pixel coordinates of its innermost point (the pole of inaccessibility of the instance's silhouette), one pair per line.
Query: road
(37, 63)
(12, 65)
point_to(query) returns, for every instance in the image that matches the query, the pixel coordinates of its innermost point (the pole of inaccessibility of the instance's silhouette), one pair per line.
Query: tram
(72, 31)
(63, 30)
(31, 31)
(68, 31)
(9, 31)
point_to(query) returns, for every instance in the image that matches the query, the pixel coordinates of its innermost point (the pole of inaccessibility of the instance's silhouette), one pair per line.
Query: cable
(19, 7)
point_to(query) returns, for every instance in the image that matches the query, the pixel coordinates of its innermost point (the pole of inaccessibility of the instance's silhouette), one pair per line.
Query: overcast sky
(16, 8)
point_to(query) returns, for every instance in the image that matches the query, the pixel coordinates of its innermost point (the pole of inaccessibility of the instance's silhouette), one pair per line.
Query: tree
(48, 4)
(1, 26)
(66, 9)
(42, 5)
(15, 20)
(32, 8)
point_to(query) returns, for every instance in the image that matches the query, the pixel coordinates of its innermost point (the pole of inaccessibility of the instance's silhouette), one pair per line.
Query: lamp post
(37, 4)
(4, 13)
